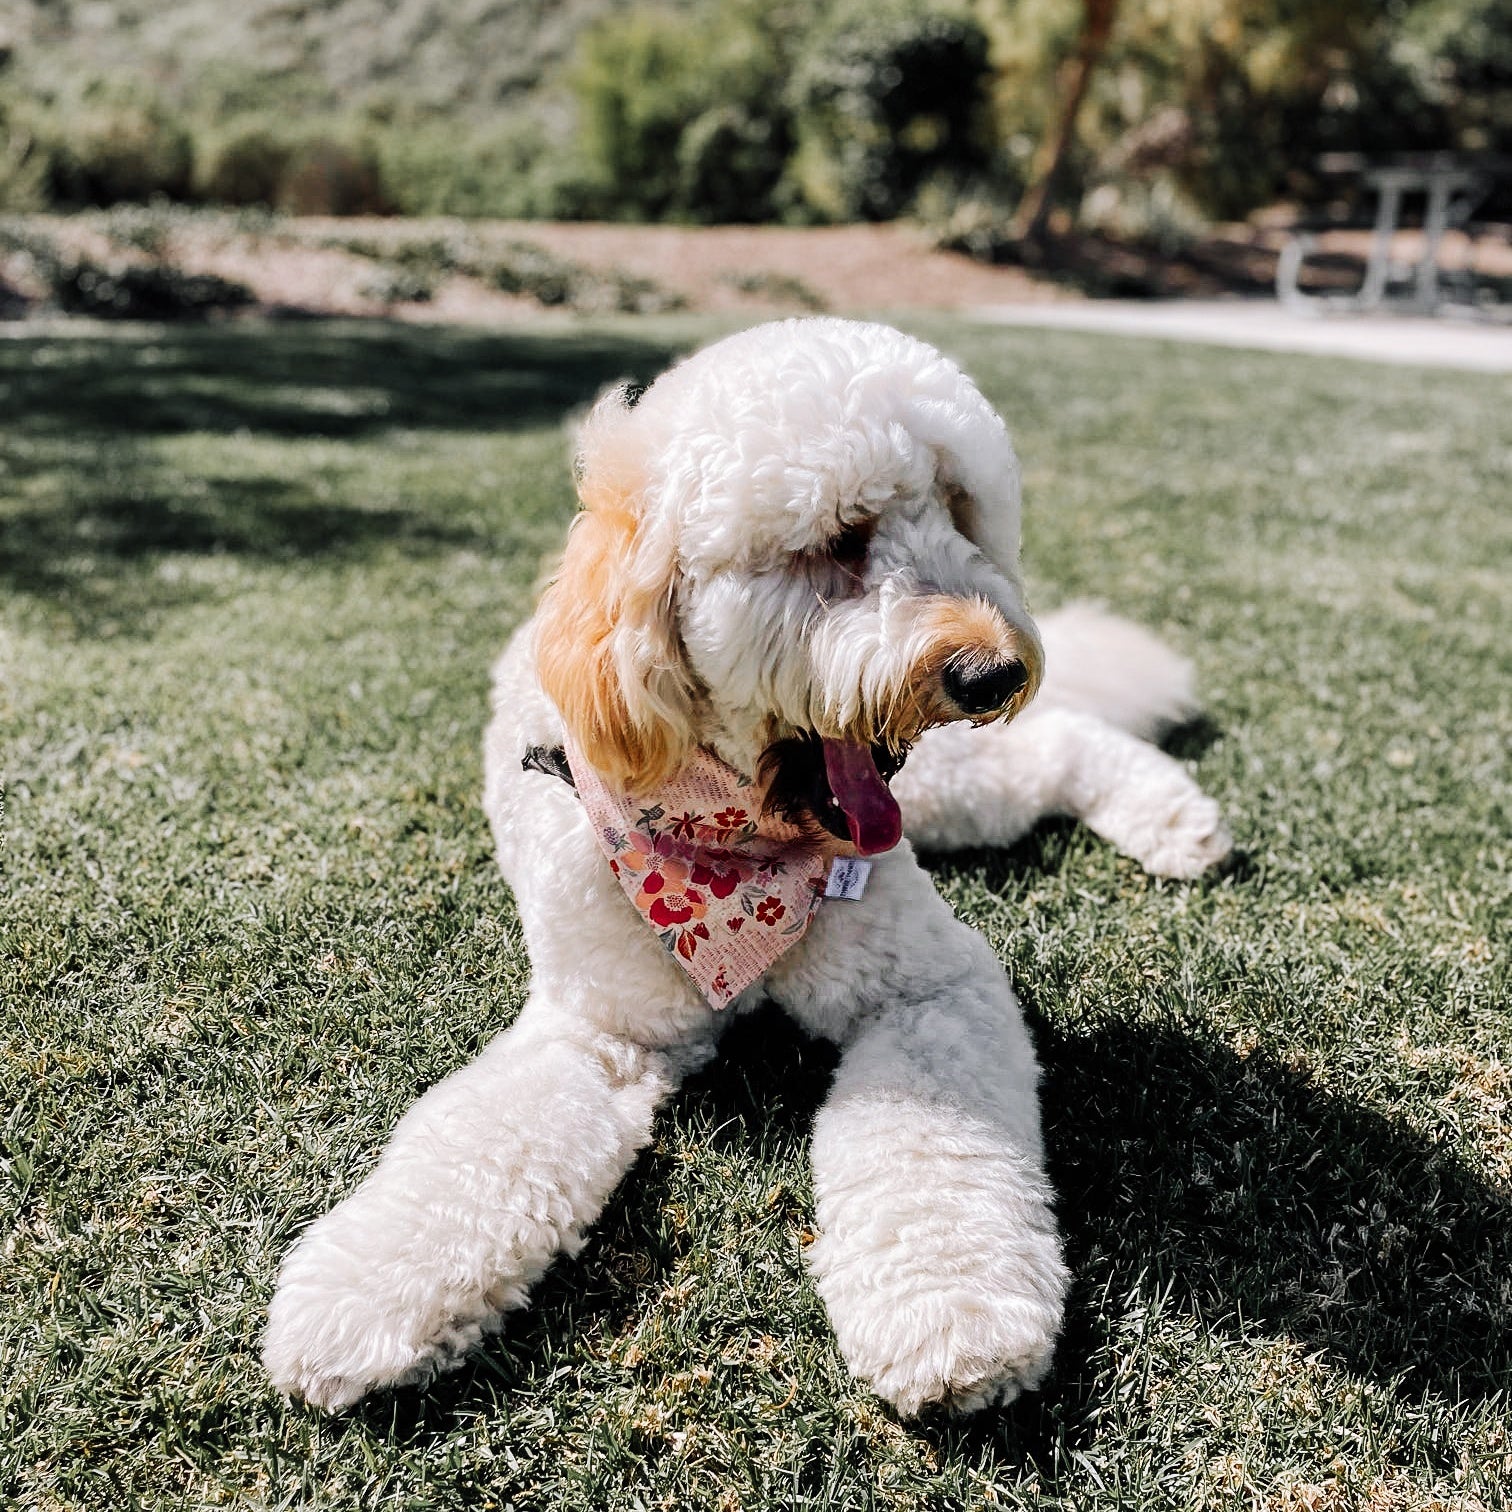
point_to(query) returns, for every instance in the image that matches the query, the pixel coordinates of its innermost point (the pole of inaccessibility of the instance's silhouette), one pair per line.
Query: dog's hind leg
(1100, 663)
(991, 786)
(1081, 749)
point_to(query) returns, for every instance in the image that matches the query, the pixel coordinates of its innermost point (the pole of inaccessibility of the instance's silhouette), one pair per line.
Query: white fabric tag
(847, 878)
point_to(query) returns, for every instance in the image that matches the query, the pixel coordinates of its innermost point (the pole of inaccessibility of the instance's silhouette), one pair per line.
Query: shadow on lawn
(92, 514)
(1267, 1206)
(323, 379)
(1229, 1183)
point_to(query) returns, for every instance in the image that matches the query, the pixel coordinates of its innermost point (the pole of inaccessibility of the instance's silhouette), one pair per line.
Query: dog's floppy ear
(607, 647)
(976, 469)
(986, 510)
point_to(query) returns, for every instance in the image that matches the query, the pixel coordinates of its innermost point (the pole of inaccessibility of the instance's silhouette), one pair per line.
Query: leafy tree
(1232, 101)
(122, 143)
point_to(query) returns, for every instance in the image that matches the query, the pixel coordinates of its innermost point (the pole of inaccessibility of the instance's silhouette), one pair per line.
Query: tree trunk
(1075, 74)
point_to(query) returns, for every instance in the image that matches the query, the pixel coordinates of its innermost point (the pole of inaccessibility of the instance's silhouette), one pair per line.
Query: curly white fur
(701, 603)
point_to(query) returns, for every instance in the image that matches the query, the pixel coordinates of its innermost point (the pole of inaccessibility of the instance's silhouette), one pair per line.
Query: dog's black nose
(975, 689)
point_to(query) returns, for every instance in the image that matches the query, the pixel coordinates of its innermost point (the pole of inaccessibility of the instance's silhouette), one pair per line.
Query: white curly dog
(797, 557)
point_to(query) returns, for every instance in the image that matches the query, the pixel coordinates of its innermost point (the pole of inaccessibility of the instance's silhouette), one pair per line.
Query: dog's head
(800, 548)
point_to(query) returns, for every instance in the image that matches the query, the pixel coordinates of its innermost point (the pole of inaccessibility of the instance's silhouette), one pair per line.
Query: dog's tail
(1104, 665)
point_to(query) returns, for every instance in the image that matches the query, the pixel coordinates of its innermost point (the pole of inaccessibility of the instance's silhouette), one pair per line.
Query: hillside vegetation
(327, 54)
(696, 110)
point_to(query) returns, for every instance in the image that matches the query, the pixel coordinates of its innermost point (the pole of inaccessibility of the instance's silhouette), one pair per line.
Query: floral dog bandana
(726, 888)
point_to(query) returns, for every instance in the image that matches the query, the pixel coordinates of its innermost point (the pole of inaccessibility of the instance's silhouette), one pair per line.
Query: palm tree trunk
(1033, 215)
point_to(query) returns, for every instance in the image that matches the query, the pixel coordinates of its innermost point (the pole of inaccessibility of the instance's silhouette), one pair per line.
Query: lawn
(251, 579)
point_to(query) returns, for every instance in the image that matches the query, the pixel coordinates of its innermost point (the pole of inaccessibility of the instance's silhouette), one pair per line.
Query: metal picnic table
(1452, 187)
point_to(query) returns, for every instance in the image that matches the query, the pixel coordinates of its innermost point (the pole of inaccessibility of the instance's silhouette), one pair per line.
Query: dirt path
(367, 267)
(347, 267)
(715, 268)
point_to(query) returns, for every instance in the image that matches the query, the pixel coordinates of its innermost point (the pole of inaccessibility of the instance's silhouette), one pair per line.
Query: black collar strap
(549, 759)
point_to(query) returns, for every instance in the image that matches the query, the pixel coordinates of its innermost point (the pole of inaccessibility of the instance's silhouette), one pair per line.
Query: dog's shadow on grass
(1193, 738)
(1236, 1191)
(1231, 1187)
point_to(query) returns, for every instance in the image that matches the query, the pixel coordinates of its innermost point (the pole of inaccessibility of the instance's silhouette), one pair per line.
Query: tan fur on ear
(606, 643)
(990, 523)
(965, 512)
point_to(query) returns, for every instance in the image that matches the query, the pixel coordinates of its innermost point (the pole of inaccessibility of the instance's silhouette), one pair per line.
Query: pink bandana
(726, 888)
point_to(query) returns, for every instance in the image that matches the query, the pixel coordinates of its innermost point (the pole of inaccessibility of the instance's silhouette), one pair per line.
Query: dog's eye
(849, 548)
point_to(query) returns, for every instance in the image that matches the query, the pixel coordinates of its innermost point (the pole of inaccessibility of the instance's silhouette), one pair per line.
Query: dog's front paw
(959, 1354)
(963, 1336)
(321, 1350)
(350, 1317)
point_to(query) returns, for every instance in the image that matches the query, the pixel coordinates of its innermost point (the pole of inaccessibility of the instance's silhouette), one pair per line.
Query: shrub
(965, 215)
(152, 291)
(1152, 211)
(441, 167)
(528, 269)
(327, 176)
(245, 166)
(411, 270)
(117, 143)
(682, 115)
(780, 288)
(524, 268)
(23, 158)
(885, 97)
(729, 164)
(629, 294)
(390, 284)
(143, 228)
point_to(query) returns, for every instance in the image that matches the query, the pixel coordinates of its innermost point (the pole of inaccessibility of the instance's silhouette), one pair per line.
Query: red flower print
(720, 880)
(731, 818)
(664, 895)
(720, 985)
(685, 826)
(733, 925)
(770, 910)
(687, 940)
(675, 906)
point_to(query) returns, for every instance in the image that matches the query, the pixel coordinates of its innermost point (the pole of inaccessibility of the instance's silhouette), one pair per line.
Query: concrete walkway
(1413, 340)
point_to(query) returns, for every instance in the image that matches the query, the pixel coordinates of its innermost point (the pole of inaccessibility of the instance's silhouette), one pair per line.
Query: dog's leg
(993, 785)
(937, 1254)
(488, 1176)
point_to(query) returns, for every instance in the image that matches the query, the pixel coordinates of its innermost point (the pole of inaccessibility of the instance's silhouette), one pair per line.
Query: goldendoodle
(795, 565)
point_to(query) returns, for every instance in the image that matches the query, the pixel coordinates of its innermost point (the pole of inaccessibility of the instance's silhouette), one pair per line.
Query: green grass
(250, 583)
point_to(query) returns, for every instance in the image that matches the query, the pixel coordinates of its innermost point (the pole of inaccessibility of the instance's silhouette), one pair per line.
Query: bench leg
(1378, 270)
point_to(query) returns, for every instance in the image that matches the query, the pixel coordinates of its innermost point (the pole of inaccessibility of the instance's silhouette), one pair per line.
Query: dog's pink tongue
(871, 811)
